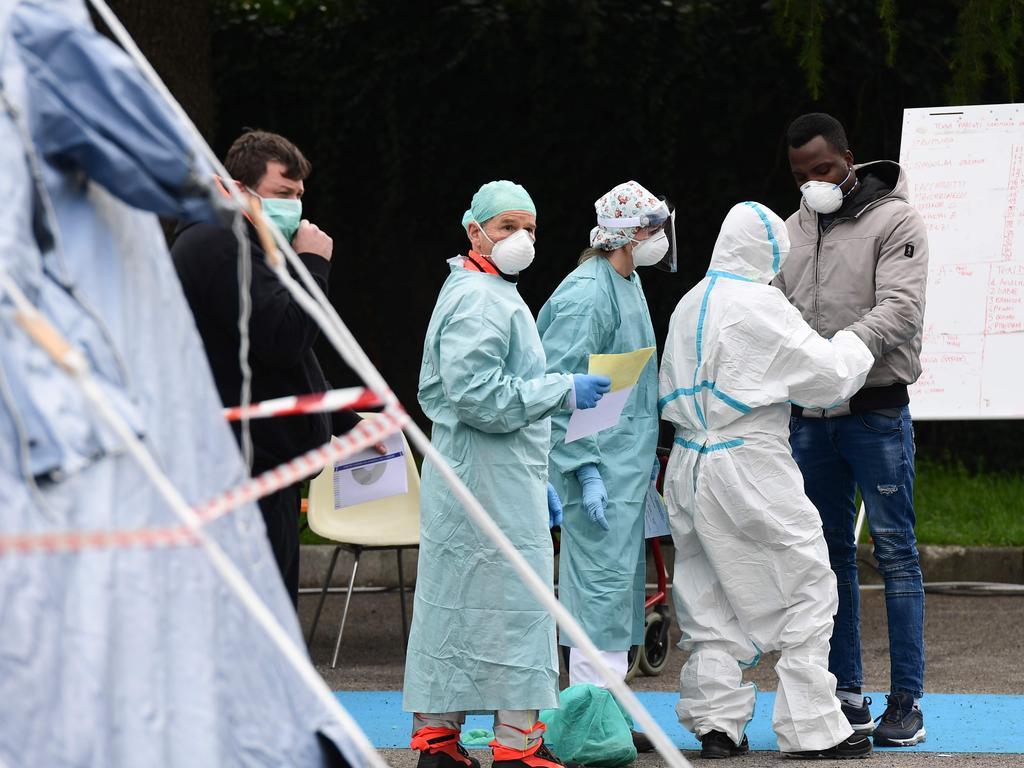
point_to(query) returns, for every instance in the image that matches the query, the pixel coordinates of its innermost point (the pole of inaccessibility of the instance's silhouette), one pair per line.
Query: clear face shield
(661, 224)
(668, 262)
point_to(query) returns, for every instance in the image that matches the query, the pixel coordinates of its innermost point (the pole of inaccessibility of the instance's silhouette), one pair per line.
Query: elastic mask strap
(855, 185)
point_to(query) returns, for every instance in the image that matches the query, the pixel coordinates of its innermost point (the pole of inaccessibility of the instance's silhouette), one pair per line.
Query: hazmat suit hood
(752, 244)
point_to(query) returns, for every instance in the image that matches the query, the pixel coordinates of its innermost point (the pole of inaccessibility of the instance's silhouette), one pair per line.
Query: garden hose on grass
(958, 588)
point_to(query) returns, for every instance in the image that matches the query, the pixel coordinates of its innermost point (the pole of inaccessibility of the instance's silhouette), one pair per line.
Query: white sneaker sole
(863, 729)
(917, 738)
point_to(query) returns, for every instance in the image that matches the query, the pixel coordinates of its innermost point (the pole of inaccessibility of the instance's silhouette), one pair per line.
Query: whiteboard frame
(952, 111)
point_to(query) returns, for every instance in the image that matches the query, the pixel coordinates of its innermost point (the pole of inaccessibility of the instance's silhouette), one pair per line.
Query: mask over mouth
(285, 213)
(824, 196)
(658, 250)
(514, 253)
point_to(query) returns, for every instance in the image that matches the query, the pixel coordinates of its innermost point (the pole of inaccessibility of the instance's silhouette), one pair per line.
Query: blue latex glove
(589, 389)
(655, 469)
(595, 497)
(554, 507)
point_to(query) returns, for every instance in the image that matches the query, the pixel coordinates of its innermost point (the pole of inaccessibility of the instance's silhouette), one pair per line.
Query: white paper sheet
(655, 514)
(603, 415)
(368, 476)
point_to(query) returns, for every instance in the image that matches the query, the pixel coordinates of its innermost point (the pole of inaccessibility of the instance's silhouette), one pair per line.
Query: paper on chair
(624, 370)
(368, 476)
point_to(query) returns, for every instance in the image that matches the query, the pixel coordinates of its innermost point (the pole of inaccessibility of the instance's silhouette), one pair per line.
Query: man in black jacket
(270, 169)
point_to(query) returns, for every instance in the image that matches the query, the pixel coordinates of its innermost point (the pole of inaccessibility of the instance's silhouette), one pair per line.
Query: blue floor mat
(986, 723)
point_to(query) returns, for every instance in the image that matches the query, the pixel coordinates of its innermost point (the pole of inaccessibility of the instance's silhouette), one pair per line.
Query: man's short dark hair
(806, 127)
(247, 158)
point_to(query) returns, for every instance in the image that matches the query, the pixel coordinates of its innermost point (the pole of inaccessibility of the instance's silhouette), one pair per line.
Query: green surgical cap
(496, 197)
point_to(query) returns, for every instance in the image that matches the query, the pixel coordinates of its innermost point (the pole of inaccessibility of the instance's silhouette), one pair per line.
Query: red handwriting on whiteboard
(1005, 306)
(1012, 189)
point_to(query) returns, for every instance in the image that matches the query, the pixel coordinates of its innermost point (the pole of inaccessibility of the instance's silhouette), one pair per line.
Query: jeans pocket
(880, 422)
(794, 425)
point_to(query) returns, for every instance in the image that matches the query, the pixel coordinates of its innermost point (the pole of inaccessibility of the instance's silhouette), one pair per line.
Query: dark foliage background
(406, 107)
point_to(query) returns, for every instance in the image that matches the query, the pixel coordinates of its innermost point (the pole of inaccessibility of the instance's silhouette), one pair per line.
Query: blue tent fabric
(92, 110)
(131, 657)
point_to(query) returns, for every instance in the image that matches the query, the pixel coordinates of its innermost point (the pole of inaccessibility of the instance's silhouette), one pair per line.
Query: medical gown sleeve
(572, 330)
(484, 392)
(816, 372)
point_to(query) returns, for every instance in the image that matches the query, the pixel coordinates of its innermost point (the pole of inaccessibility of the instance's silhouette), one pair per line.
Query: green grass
(306, 536)
(954, 506)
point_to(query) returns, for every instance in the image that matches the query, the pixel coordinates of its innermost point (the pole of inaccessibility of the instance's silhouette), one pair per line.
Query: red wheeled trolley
(651, 658)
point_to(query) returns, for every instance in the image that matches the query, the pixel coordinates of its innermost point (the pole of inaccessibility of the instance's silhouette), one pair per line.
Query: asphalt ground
(974, 645)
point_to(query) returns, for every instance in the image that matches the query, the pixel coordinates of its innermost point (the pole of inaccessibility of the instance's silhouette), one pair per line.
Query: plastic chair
(389, 523)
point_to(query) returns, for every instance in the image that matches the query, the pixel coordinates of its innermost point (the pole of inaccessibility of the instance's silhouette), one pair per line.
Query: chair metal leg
(401, 596)
(323, 596)
(344, 614)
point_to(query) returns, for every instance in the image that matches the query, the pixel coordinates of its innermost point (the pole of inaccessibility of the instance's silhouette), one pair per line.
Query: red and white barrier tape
(368, 432)
(352, 398)
(58, 542)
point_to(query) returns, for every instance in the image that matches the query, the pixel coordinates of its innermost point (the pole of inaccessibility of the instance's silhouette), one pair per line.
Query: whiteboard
(965, 166)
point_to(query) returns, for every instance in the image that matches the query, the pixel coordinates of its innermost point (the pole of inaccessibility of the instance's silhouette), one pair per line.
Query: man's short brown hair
(247, 158)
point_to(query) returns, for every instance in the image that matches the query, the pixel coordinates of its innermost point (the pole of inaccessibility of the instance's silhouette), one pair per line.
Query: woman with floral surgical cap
(603, 479)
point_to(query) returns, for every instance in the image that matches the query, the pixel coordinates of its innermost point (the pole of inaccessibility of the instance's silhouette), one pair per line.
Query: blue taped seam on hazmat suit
(479, 640)
(752, 570)
(601, 574)
(124, 657)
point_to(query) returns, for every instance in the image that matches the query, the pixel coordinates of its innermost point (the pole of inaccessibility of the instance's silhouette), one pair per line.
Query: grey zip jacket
(866, 271)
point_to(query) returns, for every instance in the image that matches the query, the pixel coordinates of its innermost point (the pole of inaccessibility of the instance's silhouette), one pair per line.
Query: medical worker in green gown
(603, 479)
(480, 642)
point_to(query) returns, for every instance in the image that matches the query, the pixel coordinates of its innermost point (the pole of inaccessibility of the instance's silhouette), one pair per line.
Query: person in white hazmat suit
(752, 571)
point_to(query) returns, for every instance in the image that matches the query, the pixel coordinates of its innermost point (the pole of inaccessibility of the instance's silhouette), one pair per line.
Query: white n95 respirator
(824, 196)
(514, 253)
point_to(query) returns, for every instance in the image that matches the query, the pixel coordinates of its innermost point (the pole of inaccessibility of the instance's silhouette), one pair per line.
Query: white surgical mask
(647, 253)
(513, 254)
(825, 197)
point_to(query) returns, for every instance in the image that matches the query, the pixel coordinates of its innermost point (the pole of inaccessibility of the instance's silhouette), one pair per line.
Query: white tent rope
(74, 363)
(244, 269)
(320, 309)
(533, 582)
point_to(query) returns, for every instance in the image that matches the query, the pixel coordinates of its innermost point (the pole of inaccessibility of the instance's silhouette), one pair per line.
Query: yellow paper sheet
(623, 369)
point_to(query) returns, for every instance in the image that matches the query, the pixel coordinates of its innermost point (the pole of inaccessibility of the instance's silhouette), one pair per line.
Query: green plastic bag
(589, 727)
(477, 738)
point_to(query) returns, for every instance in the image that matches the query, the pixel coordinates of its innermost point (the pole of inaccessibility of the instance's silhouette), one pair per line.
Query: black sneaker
(859, 717)
(902, 724)
(443, 750)
(542, 758)
(848, 749)
(641, 743)
(454, 755)
(715, 745)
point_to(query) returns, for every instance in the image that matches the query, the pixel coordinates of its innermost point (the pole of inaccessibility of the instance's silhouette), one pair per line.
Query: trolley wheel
(655, 650)
(633, 662)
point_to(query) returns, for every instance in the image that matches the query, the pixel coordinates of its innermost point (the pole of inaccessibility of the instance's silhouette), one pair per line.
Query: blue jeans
(874, 452)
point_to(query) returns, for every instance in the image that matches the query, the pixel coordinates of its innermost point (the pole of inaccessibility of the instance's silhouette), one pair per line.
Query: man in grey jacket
(859, 261)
